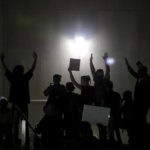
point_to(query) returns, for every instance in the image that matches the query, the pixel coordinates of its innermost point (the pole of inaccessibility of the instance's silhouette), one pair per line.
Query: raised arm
(130, 69)
(73, 80)
(3, 62)
(92, 66)
(107, 68)
(34, 62)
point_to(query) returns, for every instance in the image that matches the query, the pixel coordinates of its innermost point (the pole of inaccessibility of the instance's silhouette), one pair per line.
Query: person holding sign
(74, 64)
(87, 91)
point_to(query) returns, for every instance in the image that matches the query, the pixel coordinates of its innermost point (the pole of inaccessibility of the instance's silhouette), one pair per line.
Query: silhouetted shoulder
(28, 74)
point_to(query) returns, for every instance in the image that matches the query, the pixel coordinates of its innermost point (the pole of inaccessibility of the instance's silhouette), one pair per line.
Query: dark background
(121, 28)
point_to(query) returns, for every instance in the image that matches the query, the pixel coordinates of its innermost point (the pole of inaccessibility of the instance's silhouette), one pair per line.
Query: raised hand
(34, 54)
(2, 56)
(91, 58)
(105, 56)
(126, 60)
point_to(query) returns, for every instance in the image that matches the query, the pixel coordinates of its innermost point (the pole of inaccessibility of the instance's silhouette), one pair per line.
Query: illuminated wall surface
(49, 27)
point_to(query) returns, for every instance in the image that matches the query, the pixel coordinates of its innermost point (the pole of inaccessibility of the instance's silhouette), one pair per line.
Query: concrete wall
(119, 27)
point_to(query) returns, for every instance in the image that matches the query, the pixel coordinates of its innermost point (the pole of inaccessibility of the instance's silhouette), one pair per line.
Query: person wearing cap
(19, 92)
(5, 122)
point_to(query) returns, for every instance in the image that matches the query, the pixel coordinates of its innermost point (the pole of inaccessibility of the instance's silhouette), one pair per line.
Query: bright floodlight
(110, 61)
(80, 43)
(79, 40)
(78, 46)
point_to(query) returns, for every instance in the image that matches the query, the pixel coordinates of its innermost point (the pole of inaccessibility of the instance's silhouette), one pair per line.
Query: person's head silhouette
(99, 74)
(127, 95)
(18, 70)
(142, 71)
(109, 86)
(69, 86)
(85, 80)
(56, 79)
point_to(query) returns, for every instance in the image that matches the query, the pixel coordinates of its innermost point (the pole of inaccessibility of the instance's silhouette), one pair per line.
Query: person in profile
(57, 90)
(6, 122)
(19, 92)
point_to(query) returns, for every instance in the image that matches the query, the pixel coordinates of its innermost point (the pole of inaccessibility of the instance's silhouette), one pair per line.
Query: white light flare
(78, 47)
(110, 61)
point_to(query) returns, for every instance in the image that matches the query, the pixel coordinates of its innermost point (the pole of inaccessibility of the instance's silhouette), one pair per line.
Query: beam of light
(110, 61)
(78, 46)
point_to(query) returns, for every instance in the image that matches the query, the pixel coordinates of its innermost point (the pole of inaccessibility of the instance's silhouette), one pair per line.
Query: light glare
(78, 47)
(110, 61)
(79, 40)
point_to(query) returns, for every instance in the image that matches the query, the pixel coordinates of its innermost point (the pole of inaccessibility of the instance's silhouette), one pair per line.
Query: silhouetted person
(128, 115)
(57, 90)
(142, 88)
(113, 101)
(87, 91)
(72, 111)
(142, 102)
(99, 80)
(50, 126)
(19, 91)
(86, 139)
(6, 122)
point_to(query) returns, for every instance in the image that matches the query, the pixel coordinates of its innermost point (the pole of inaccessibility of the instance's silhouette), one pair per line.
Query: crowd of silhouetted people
(62, 127)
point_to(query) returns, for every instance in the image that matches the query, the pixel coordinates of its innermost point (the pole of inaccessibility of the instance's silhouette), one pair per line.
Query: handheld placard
(74, 64)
